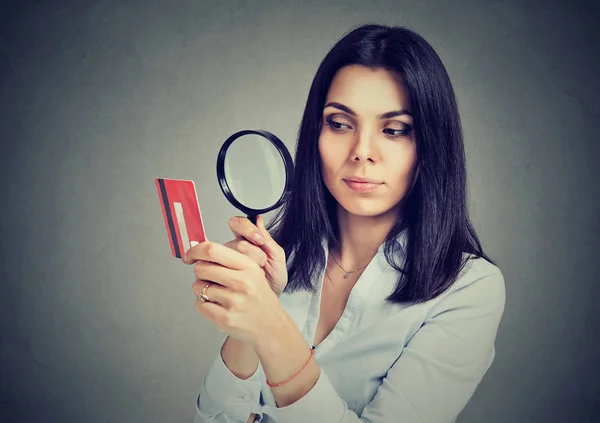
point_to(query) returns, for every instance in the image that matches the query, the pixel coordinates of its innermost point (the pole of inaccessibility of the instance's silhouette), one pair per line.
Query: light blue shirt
(382, 363)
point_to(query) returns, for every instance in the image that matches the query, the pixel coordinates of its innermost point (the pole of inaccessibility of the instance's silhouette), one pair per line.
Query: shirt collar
(401, 239)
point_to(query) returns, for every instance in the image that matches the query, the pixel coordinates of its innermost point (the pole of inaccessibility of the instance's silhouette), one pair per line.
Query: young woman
(373, 299)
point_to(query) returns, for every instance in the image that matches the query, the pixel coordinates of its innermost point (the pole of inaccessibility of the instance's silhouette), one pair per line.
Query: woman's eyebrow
(387, 115)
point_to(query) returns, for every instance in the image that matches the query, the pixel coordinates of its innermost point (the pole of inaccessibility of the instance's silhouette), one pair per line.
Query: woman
(373, 300)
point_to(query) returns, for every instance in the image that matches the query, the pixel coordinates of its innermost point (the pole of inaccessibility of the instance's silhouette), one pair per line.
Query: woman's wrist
(272, 338)
(289, 366)
(292, 376)
(284, 339)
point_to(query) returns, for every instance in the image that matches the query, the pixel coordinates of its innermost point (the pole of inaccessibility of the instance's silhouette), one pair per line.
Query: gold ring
(203, 295)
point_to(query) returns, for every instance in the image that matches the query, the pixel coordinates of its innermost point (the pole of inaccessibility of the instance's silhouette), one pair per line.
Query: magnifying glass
(255, 171)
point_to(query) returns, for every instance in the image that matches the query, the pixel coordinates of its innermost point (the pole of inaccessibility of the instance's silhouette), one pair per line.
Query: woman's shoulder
(479, 285)
(478, 268)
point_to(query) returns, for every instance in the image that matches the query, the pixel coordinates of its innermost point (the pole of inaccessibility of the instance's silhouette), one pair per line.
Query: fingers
(216, 253)
(207, 271)
(211, 309)
(216, 293)
(243, 228)
(239, 281)
(257, 235)
(273, 250)
(255, 244)
(249, 250)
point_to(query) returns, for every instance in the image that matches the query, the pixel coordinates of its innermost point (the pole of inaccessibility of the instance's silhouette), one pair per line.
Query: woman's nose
(364, 148)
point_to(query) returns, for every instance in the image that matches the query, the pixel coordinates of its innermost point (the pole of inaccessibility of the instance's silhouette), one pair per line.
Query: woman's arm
(241, 360)
(286, 357)
(232, 386)
(230, 394)
(239, 357)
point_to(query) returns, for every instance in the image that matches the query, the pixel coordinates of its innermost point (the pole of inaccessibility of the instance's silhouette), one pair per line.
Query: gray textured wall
(98, 98)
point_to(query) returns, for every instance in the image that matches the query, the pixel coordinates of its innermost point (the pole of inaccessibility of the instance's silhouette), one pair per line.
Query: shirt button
(246, 398)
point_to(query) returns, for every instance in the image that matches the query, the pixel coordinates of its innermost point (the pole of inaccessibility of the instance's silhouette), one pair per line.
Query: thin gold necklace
(329, 277)
(347, 272)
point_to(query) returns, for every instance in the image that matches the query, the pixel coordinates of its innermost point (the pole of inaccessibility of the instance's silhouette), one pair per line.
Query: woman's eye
(336, 126)
(396, 133)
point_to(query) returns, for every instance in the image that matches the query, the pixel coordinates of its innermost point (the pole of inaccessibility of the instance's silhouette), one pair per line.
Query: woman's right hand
(263, 250)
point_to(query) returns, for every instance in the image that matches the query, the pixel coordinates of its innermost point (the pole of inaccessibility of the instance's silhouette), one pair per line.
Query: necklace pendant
(346, 275)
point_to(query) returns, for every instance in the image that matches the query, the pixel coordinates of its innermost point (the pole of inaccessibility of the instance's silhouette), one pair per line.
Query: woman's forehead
(369, 91)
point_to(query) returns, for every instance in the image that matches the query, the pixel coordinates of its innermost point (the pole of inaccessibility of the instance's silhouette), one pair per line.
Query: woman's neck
(360, 237)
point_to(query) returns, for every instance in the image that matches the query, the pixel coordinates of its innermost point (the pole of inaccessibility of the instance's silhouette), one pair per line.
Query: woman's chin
(366, 208)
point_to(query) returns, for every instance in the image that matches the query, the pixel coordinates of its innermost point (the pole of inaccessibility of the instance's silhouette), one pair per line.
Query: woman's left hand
(241, 301)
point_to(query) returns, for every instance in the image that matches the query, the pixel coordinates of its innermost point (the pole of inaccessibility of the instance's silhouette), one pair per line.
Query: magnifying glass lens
(255, 171)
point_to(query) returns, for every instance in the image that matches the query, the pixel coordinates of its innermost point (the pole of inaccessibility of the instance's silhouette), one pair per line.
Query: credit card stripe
(185, 240)
(165, 198)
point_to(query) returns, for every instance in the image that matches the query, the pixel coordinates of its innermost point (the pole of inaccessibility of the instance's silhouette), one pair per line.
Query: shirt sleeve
(225, 398)
(439, 368)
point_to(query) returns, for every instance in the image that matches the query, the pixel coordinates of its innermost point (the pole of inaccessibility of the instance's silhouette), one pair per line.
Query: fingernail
(194, 243)
(258, 238)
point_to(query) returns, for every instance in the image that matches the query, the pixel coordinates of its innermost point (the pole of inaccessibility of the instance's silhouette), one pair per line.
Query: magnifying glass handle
(252, 218)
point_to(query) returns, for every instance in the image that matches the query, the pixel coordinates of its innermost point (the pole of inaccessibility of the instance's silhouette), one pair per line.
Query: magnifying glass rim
(283, 152)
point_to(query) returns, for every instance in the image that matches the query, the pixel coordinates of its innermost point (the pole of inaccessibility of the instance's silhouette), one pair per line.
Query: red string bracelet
(272, 385)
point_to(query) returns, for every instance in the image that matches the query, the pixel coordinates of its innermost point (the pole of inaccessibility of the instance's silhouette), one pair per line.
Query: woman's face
(366, 142)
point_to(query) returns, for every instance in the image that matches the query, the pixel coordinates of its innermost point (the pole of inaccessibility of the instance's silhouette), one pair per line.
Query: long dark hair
(435, 214)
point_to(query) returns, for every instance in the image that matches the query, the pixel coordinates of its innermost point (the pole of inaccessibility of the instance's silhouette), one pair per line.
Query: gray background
(99, 98)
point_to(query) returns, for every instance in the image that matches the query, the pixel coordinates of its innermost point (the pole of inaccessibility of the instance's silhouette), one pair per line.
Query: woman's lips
(362, 186)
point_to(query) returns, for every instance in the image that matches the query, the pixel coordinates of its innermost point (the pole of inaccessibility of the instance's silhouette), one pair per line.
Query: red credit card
(181, 212)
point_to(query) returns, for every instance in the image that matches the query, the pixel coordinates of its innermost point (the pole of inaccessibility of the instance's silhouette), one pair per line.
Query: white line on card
(182, 228)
